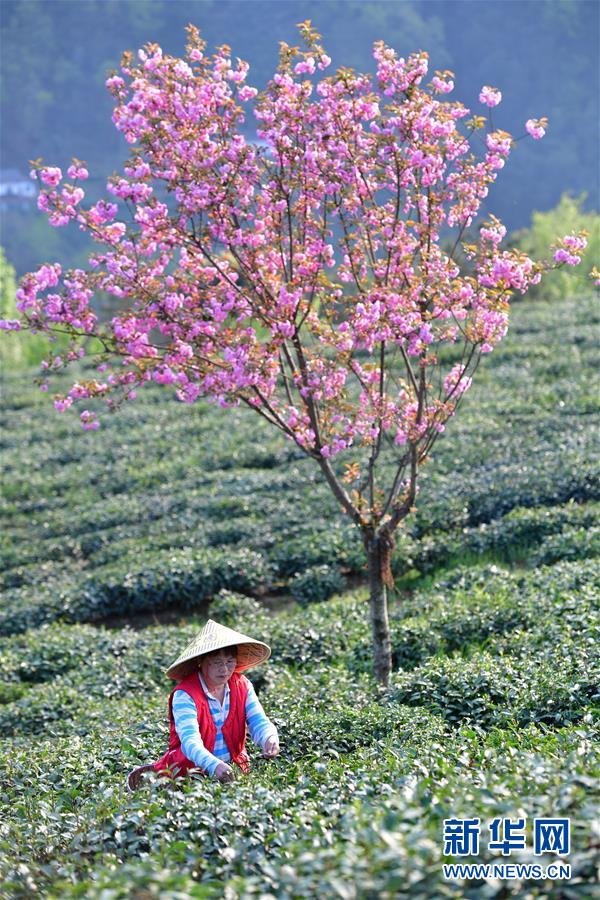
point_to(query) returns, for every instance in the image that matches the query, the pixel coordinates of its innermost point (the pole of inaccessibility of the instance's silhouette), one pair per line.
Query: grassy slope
(493, 709)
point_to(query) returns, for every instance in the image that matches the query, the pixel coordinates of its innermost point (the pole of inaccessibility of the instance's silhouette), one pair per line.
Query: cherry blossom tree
(317, 275)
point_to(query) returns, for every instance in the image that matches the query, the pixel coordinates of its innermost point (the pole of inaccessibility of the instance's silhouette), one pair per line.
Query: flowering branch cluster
(309, 275)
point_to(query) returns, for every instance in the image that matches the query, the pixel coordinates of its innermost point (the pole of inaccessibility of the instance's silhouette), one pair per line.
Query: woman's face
(218, 667)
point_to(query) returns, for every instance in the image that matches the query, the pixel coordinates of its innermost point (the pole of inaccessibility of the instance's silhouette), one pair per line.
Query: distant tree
(360, 352)
(20, 349)
(8, 287)
(567, 215)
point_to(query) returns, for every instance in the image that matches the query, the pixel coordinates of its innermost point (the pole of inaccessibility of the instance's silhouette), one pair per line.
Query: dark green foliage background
(542, 54)
(170, 512)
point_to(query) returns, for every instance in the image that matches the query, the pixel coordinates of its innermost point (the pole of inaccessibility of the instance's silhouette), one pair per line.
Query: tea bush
(186, 578)
(573, 543)
(520, 535)
(316, 583)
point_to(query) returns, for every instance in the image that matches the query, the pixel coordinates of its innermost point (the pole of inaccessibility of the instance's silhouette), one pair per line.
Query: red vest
(174, 761)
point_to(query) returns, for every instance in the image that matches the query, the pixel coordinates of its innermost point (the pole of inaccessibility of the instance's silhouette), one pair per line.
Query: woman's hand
(271, 748)
(224, 773)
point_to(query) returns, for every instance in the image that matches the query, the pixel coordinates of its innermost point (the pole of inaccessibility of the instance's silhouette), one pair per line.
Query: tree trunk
(378, 559)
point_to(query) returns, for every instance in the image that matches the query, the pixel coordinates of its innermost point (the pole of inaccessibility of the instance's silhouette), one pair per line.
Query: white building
(16, 189)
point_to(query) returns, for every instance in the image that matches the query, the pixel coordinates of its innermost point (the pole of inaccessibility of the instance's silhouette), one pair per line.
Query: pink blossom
(286, 329)
(444, 87)
(164, 375)
(490, 96)
(59, 220)
(535, 129)
(247, 93)
(43, 202)
(307, 65)
(425, 334)
(51, 175)
(575, 241)
(72, 195)
(493, 234)
(78, 172)
(498, 142)
(79, 392)
(189, 393)
(114, 83)
(102, 212)
(88, 420)
(455, 382)
(562, 255)
(114, 232)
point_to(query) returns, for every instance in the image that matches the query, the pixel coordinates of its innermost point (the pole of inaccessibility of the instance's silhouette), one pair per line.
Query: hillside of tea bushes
(116, 544)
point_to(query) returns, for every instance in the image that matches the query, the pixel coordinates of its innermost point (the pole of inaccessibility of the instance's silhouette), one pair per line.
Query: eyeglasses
(221, 662)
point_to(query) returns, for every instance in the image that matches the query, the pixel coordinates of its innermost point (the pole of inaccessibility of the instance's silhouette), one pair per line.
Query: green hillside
(116, 544)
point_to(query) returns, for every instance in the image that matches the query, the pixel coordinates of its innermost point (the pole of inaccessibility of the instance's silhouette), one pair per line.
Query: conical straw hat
(215, 637)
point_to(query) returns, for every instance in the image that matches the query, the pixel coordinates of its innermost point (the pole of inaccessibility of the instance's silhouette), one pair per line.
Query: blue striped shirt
(185, 716)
